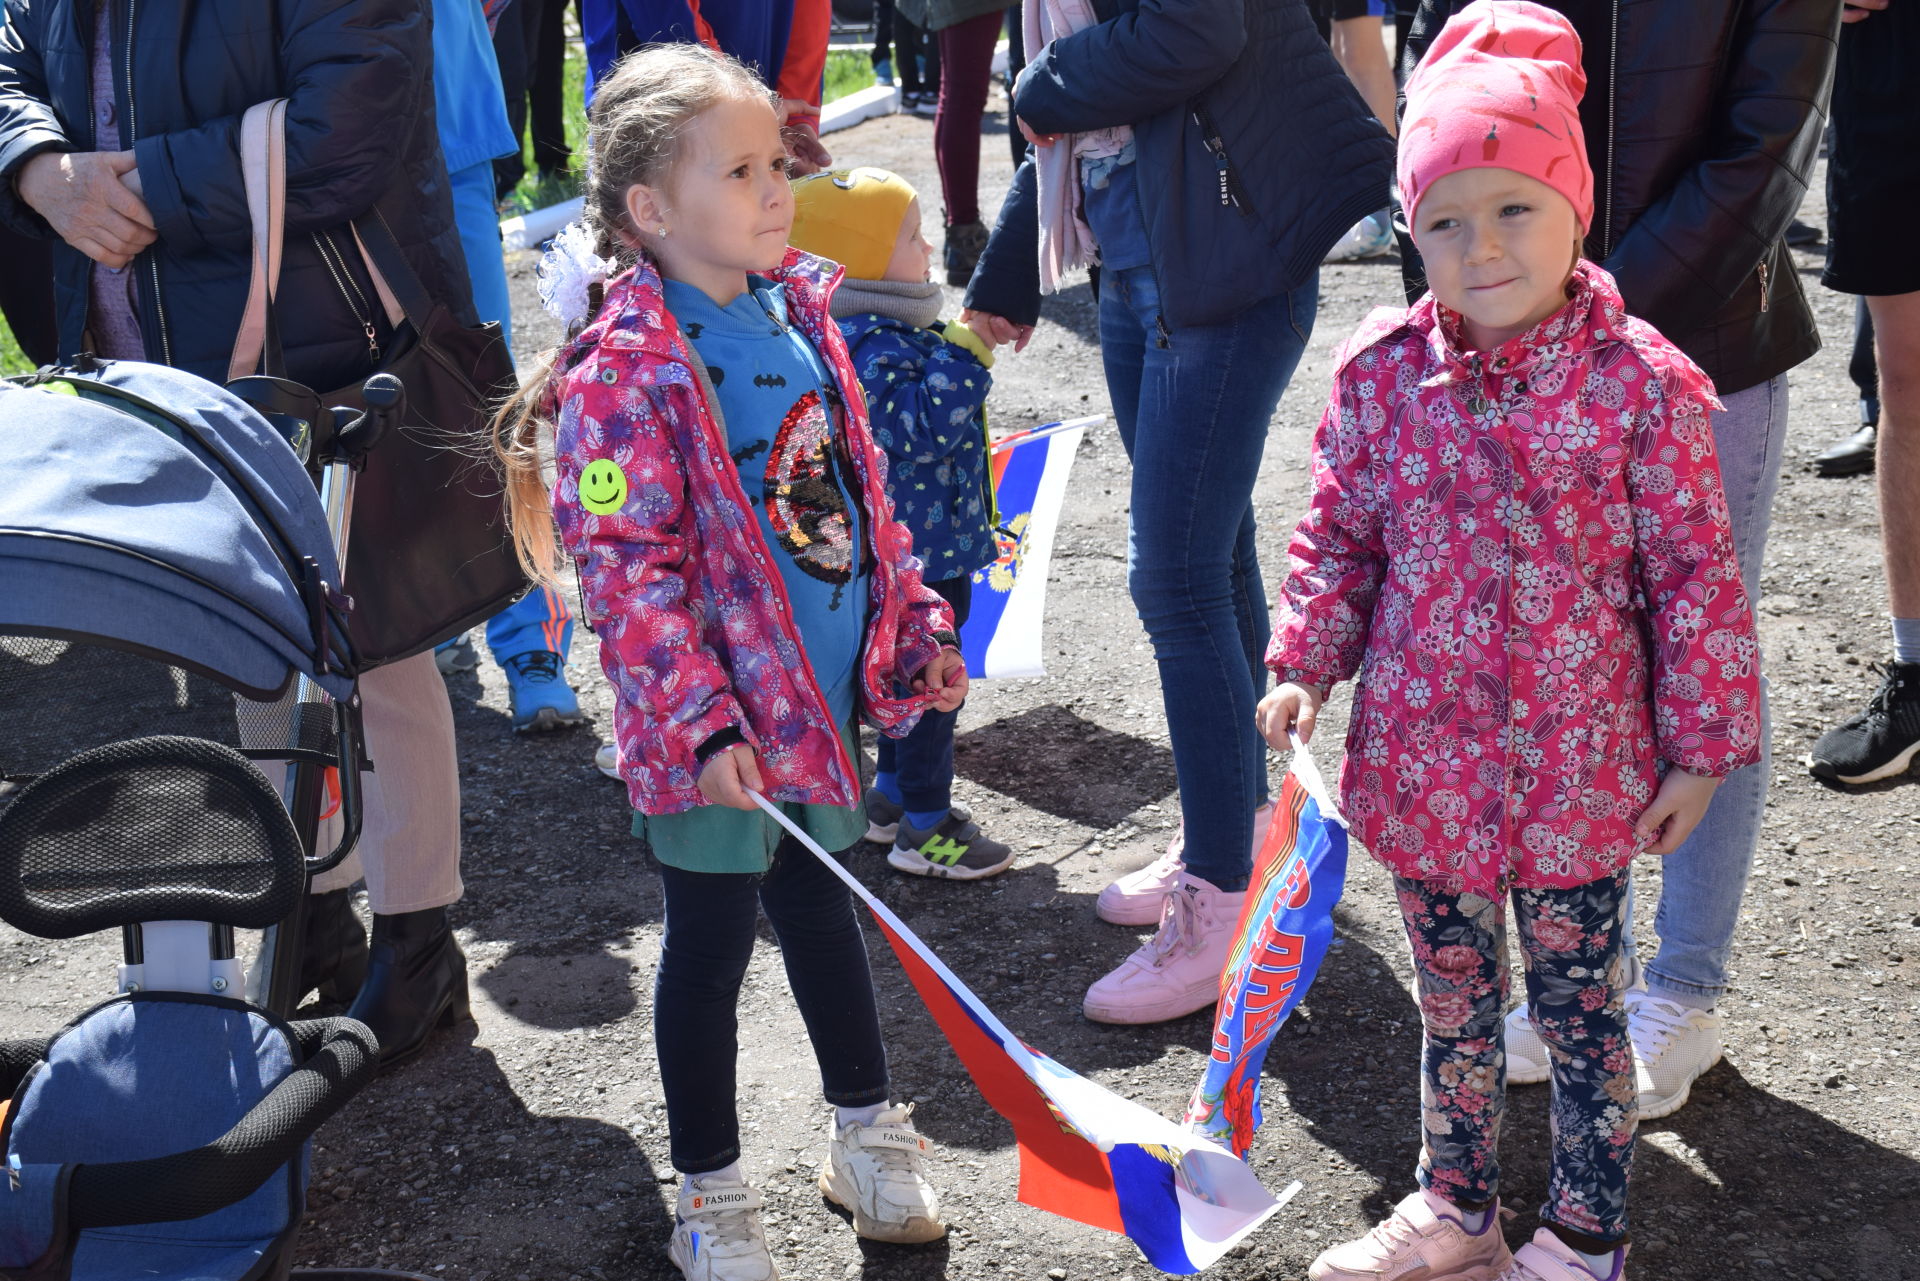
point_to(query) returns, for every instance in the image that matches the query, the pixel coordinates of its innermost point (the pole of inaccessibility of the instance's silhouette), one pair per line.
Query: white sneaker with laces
(1672, 1045)
(876, 1173)
(717, 1234)
(1177, 971)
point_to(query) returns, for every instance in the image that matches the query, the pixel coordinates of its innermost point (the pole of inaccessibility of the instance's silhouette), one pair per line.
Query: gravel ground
(532, 1147)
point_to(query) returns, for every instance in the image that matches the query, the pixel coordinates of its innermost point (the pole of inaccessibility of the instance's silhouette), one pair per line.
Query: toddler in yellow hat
(926, 385)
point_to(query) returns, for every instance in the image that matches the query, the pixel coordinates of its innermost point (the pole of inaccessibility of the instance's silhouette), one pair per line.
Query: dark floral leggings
(1575, 973)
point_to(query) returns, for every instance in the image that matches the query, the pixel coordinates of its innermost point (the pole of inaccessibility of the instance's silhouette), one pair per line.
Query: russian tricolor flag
(1085, 1153)
(1283, 934)
(1001, 636)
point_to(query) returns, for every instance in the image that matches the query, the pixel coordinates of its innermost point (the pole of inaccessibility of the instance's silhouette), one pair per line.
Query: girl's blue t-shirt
(777, 402)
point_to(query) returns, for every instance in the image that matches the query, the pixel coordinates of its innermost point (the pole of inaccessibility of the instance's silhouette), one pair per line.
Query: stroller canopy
(146, 509)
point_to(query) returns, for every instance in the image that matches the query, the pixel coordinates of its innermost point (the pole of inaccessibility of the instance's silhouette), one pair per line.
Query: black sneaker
(1850, 455)
(1881, 741)
(955, 849)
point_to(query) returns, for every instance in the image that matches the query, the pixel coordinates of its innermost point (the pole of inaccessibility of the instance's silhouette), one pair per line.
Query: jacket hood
(639, 290)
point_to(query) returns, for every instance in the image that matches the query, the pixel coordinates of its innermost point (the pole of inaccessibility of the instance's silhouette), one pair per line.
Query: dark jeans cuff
(859, 1098)
(708, 1164)
(1581, 1241)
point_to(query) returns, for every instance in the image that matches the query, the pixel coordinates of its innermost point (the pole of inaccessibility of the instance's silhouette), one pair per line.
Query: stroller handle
(341, 1058)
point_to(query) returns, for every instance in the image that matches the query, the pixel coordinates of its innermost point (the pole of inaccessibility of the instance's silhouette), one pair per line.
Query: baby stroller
(170, 621)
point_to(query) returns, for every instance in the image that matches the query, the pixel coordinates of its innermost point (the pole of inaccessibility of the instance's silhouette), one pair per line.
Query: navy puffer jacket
(360, 135)
(1298, 158)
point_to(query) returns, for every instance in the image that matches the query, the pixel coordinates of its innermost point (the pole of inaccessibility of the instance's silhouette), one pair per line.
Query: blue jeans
(923, 760)
(710, 919)
(1193, 406)
(1704, 880)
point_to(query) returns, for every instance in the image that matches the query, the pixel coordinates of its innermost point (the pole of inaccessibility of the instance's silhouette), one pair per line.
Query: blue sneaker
(542, 699)
(883, 71)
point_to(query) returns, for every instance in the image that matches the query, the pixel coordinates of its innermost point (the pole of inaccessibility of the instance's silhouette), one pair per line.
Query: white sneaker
(1527, 1061)
(1672, 1045)
(606, 759)
(1368, 238)
(1177, 971)
(717, 1234)
(876, 1173)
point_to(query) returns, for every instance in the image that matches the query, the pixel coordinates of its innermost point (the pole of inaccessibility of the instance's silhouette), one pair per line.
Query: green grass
(848, 71)
(12, 359)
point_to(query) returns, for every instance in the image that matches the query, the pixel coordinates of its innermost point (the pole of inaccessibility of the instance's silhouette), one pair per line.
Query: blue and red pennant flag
(1085, 1153)
(1001, 636)
(1283, 934)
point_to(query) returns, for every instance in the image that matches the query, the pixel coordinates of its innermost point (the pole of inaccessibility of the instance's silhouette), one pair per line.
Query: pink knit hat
(1500, 88)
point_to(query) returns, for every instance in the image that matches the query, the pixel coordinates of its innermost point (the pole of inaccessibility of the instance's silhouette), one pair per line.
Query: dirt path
(533, 1148)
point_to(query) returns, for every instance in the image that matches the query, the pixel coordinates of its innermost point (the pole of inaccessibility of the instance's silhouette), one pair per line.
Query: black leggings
(703, 958)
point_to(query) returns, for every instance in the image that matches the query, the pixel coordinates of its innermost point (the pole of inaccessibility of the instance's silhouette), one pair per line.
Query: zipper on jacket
(152, 256)
(1232, 194)
(782, 602)
(1764, 297)
(344, 282)
(1613, 107)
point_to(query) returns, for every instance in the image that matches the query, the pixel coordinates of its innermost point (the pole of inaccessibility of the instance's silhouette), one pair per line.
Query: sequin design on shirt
(804, 504)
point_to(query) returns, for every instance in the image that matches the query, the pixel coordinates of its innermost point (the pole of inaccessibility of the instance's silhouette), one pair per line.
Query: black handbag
(429, 554)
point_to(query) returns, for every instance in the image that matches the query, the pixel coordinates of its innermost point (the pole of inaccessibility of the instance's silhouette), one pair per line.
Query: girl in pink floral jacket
(718, 488)
(1517, 535)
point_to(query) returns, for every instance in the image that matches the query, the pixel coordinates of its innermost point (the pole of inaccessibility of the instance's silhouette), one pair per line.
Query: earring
(663, 229)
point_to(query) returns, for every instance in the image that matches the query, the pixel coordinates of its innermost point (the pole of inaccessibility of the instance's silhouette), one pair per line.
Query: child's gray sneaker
(883, 817)
(955, 849)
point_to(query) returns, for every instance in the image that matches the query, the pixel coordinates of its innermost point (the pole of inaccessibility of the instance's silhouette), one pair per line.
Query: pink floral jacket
(1529, 549)
(696, 631)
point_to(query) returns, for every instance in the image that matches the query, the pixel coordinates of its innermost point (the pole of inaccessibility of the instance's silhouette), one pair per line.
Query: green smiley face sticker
(603, 487)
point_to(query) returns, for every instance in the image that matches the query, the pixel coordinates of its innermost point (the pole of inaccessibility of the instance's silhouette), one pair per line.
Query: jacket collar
(1593, 315)
(634, 313)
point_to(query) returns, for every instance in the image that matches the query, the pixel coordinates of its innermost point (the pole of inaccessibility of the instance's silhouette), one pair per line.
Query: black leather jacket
(360, 135)
(1702, 123)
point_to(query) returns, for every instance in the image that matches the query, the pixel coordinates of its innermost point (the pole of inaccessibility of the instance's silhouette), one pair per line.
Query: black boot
(333, 951)
(417, 981)
(965, 242)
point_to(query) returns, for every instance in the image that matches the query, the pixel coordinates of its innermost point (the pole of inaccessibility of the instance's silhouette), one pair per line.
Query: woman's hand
(1856, 10)
(89, 198)
(1289, 707)
(1675, 812)
(996, 330)
(800, 131)
(1037, 139)
(944, 677)
(727, 775)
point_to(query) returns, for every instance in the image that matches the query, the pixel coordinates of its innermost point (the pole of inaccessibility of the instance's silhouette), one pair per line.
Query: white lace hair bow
(567, 269)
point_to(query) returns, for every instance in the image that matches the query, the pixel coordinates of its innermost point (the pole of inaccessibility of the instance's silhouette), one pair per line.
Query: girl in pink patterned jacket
(1517, 533)
(722, 497)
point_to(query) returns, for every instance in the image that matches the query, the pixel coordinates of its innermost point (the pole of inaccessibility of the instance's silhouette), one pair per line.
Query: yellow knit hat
(852, 216)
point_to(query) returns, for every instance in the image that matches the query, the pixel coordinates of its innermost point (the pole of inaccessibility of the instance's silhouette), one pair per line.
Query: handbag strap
(263, 167)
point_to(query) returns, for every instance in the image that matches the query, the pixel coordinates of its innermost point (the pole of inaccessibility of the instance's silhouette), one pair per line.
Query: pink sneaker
(1177, 971)
(1134, 899)
(1423, 1241)
(1548, 1258)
